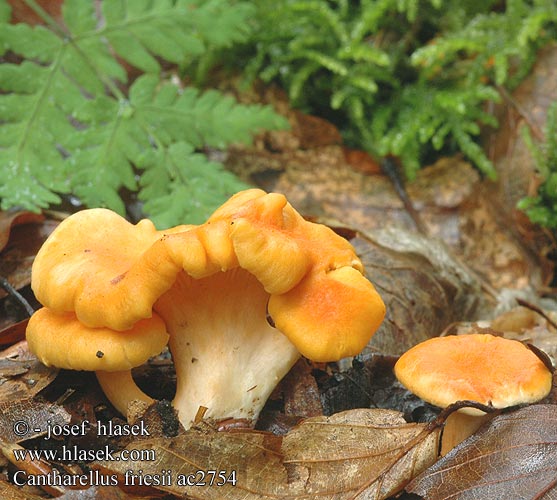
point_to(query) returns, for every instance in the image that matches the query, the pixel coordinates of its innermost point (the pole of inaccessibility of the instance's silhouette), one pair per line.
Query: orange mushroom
(490, 370)
(59, 339)
(214, 286)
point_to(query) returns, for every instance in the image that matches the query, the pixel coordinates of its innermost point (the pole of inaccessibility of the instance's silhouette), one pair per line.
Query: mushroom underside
(228, 358)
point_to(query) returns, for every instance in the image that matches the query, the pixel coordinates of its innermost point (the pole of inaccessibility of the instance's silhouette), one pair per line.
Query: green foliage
(402, 77)
(542, 208)
(71, 123)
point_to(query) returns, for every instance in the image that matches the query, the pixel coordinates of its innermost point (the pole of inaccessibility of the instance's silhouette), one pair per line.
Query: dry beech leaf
(13, 333)
(358, 454)
(34, 378)
(515, 456)
(516, 168)
(22, 420)
(21, 236)
(10, 492)
(95, 493)
(10, 219)
(424, 288)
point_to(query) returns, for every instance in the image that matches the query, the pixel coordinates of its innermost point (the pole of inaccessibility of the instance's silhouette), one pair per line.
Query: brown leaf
(423, 286)
(22, 13)
(515, 456)
(13, 333)
(32, 380)
(506, 147)
(22, 420)
(520, 323)
(301, 394)
(95, 493)
(10, 492)
(31, 467)
(358, 454)
(12, 219)
(21, 236)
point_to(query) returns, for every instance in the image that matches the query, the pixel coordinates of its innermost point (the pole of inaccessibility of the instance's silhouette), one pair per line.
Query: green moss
(403, 77)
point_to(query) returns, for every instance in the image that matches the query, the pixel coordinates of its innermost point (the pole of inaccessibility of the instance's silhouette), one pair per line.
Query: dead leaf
(34, 379)
(526, 107)
(11, 219)
(365, 453)
(423, 286)
(515, 456)
(27, 419)
(301, 394)
(32, 467)
(13, 334)
(519, 323)
(95, 493)
(22, 13)
(10, 492)
(21, 236)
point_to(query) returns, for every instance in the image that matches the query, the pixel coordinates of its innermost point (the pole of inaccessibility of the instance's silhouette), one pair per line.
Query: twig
(445, 412)
(521, 111)
(390, 168)
(10, 290)
(535, 308)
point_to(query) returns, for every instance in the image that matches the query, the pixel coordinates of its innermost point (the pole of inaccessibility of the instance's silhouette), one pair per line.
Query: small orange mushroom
(59, 339)
(214, 286)
(490, 370)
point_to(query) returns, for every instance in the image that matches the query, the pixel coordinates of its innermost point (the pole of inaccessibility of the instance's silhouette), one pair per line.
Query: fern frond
(70, 125)
(182, 174)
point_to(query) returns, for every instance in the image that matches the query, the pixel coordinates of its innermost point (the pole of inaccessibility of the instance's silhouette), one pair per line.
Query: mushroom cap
(62, 340)
(110, 273)
(320, 298)
(478, 367)
(88, 265)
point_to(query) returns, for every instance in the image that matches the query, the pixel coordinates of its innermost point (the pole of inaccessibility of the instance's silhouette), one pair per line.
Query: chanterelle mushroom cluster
(240, 297)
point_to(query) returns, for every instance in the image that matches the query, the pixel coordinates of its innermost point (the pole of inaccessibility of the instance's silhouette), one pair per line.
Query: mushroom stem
(120, 389)
(228, 358)
(458, 427)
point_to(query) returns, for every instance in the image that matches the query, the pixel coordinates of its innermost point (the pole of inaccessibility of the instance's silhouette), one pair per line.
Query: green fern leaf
(183, 174)
(67, 125)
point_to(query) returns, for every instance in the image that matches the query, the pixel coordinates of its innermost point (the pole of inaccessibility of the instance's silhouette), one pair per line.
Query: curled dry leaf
(357, 454)
(21, 235)
(11, 219)
(423, 286)
(519, 323)
(506, 147)
(527, 325)
(13, 334)
(515, 456)
(33, 418)
(31, 378)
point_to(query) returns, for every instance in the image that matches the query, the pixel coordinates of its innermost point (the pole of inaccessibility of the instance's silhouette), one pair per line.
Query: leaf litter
(364, 453)
(515, 456)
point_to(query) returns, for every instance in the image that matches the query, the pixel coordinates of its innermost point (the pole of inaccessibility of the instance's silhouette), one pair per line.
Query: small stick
(10, 290)
(521, 111)
(535, 308)
(389, 167)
